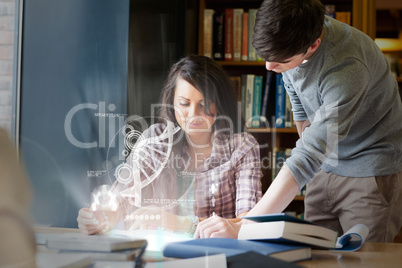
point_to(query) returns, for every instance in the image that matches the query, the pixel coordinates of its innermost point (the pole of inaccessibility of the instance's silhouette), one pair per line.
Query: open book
(287, 229)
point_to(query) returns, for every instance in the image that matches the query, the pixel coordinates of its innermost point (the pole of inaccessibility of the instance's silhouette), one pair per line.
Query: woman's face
(189, 110)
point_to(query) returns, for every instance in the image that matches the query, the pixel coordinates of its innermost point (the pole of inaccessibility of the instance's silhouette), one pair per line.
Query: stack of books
(278, 236)
(79, 250)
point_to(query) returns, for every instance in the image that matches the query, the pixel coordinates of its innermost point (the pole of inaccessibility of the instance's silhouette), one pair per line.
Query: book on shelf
(243, 86)
(208, 32)
(237, 33)
(268, 100)
(279, 156)
(236, 81)
(94, 243)
(280, 102)
(283, 228)
(228, 39)
(288, 113)
(218, 44)
(231, 247)
(329, 10)
(249, 98)
(244, 42)
(252, 55)
(255, 122)
(343, 16)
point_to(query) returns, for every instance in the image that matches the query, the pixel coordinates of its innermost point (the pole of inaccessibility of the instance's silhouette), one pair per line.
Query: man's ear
(315, 45)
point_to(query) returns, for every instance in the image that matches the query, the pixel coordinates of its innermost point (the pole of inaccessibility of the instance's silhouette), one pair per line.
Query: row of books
(343, 16)
(228, 35)
(264, 101)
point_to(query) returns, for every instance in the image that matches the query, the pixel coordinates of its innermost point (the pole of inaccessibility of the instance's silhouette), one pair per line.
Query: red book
(229, 34)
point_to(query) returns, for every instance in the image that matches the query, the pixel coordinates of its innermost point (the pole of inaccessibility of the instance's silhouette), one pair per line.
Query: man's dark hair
(285, 28)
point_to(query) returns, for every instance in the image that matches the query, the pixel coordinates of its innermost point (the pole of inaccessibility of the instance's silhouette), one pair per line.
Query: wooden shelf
(299, 198)
(272, 130)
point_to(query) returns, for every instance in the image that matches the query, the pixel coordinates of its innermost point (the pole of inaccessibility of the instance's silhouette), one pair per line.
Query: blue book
(257, 101)
(231, 247)
(280, 102)
(268, 101)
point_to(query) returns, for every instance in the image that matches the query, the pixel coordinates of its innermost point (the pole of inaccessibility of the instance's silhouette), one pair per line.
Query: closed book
(243, 86)
(344, 16)
(288, 112)
(231, 247)
(218, 44)
(249, 98)
(268, 101)
(257, 101)
(244, 42)
(280, 102)
(302, 232)
(56, 260)
(94, 243)
(228, 34)
(287, 229)
(208, 29)
(120, 255)
(252, 55)
(237, 33)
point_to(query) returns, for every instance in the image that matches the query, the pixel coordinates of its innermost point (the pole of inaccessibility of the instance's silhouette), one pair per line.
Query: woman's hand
(93, 222)
(217, 227)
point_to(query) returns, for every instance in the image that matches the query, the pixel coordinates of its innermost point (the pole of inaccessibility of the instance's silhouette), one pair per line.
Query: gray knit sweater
(347, 92)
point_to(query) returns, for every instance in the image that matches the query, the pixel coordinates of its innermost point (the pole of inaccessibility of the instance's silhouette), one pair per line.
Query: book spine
(288, 112)
(257, 101)
(244, 44)
(243, 86)
(329, 10)
(237, 33)
(229, 34)
(280, 102)
(218, 36)
(344, 17)
(249, 98)
(236, 86)
(264, 102)
(252, 56)
(208, 24)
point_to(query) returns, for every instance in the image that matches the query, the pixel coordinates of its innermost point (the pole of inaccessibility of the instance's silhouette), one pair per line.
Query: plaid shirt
(227, 183)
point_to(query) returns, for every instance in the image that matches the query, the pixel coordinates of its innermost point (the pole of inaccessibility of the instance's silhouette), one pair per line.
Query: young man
(348, 113)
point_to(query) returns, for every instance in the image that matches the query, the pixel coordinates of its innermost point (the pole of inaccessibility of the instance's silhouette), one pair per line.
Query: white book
(237, 33)
(56, 260)
(248, 112)
(289, 231)
(94, 243)
(208, 32)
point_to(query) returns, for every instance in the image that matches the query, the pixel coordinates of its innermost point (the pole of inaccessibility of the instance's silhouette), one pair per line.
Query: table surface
(372, 254)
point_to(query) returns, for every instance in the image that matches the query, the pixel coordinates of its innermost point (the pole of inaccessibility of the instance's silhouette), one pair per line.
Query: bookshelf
(361, 12)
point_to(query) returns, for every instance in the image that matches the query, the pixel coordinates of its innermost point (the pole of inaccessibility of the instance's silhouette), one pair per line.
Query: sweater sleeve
(342, 89)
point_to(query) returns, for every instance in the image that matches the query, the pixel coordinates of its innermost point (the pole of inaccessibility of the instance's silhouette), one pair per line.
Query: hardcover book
(231, 247)
(288, 229)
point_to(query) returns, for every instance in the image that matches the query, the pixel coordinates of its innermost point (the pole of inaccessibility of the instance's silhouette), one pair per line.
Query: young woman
(209, 167)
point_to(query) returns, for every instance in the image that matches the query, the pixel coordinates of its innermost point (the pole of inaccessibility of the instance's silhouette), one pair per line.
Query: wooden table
(372, 254)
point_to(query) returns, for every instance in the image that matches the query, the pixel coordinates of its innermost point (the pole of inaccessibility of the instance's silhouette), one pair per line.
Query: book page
(353, 239)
